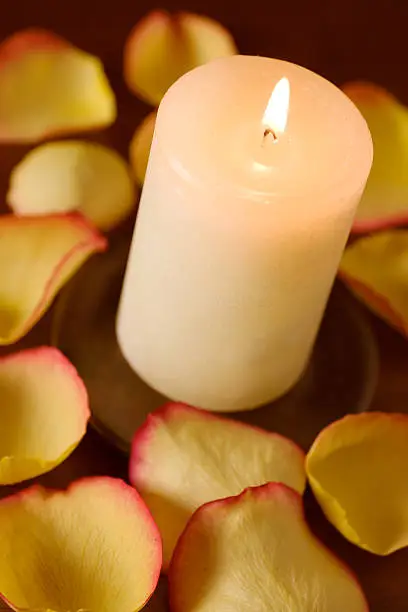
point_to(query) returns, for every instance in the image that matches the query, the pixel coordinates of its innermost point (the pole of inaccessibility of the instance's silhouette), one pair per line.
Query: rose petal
(49, 87)
(375, 268)
(357, 469)
(140, 147)
(73, 175)
(162, 47)
(93, 547)
(183, 457)
(43, 412)
(37, 256)
(255, 552)
(385, 200)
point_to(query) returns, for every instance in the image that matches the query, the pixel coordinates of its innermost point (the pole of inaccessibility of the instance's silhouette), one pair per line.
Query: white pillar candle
(241, 226)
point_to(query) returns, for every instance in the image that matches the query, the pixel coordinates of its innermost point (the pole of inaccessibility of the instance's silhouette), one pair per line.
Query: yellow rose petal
(140, 147)
(43, 412)
(162, 47)
(37, 256)
(357, 468)
(48, 87)
(183, 458)
(385, 200)
(93, 547)
(73, 175)
(376, 270)
(255, 553)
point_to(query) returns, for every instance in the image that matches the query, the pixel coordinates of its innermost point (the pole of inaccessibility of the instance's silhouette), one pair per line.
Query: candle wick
(270, 132)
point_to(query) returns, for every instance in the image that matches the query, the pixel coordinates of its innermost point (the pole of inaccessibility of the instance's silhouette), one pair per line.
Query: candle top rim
(208, 121)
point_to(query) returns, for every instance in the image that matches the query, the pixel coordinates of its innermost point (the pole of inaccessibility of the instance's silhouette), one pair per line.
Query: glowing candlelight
(277, 110)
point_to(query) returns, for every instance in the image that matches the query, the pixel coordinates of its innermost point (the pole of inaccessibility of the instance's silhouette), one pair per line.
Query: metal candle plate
(339, 379)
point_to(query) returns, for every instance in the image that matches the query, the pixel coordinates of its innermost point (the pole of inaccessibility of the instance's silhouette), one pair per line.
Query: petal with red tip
(92, 547)
(183, 457)
(37, 256)
(73, 175)
(357, 469)
(48, 87)
(375, 268)
(385, 200)
(162, 47)
(256, 552)
(140, 147)
(43, 412)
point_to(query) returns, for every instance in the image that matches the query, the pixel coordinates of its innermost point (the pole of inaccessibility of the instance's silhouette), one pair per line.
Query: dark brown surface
(341, 39)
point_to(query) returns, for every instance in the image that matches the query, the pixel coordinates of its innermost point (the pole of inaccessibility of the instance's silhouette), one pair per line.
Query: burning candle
(242, 222)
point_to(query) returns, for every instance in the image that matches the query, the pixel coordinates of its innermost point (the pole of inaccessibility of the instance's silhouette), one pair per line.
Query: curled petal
(357, 469)
(385, 200)
(93, 547)
(162, 47)
(48, 87)
(140, 147)
(375, 268)
(183, 457)
(43, 412)
(256, 552)
(37, 256)
(73, 175)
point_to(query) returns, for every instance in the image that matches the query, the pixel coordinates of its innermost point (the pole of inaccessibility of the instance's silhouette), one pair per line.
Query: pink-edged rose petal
(37, 256)
(140, 147)
(357, 469)
(255, 552)
(73, 175)
(183, 457)
(48, 87)
(93, 547)
(375, 269)
(162, 47)
(385, 199)
(43, 412)
(26, 41)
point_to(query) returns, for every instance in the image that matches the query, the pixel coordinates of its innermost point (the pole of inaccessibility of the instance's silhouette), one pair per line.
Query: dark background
(340, 39)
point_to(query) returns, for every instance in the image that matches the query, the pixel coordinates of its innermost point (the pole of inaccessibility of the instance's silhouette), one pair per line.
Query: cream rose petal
(48, 87)
(73, 175)
(44, 412)
(93, 547)
(37, 256)
(183, 457)
(162, 47)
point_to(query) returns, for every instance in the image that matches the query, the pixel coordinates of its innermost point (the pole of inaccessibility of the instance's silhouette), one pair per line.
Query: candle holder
(340, 377)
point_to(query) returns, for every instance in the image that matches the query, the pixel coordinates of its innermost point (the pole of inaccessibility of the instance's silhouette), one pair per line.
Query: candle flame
(276, 114)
